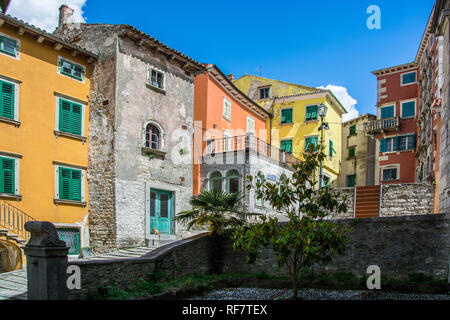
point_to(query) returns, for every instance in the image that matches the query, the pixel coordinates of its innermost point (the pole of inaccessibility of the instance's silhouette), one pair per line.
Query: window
(250, 125)
(310, 141)
(387, 112)
(408, 78)
(215, 182)
(390, 174)
(152, 137)
(7, 175)
(8, 46)
(387, 145)
(353, 130)
(286, 116)
(233, 181)
(71, 69)
(405, 143)
(227, 141)
(326, 180)
(70, 117)
(311, 113)
(7, 99)
(286, 145)
(264, 93)
(260, 180)
(408, 109)
(331, 149)
(351, 181)
(70, 181)
(72, 239)
(226, 109)
(352, 152)
(157, 79)
(400, 143)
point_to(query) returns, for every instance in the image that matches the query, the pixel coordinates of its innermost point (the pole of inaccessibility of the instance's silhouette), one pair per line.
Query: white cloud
(44, 13)
(346, 100)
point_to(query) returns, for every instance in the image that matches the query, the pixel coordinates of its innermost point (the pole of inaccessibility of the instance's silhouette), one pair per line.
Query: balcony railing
(243, 143)
(382, 125)
(14, 220)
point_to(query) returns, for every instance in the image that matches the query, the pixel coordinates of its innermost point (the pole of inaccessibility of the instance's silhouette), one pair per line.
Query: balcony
(249, 143)
(382, 125)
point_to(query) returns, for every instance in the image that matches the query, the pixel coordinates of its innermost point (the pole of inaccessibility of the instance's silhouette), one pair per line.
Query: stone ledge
(69, 135)
(70, 202)
(162, 91)
(10, 121)
(153, 151)
(17, 197)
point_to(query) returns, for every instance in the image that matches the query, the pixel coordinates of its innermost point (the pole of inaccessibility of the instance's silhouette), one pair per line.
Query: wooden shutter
(383, 145)
(7, 100)
(76, 118)
(65, 108)
(76, 185)
(64, 183)
(7, 175)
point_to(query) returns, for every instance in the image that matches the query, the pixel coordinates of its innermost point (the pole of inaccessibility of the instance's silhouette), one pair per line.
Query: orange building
(222, 114)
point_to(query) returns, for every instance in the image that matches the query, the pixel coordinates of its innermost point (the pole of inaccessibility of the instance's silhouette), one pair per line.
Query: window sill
(153, 151)
(226, 118)
(17, 197)
(69, 135)
(311, 121)
(10, 121)
(162, 91)
(70, 202)
(286, 123)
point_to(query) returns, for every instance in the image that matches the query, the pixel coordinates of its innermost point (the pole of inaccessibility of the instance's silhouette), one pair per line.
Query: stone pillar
(46, 262)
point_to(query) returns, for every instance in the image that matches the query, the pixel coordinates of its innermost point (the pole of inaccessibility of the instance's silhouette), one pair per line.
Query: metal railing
(14, 220)
(242, 143)
(383, 124)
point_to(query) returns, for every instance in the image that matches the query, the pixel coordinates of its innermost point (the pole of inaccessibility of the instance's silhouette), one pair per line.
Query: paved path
(13, 285)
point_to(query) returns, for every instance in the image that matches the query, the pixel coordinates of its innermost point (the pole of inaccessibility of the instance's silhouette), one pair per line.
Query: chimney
(65, 16)
(231, 77)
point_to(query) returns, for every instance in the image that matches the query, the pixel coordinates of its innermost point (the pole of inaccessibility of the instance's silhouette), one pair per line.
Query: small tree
(308, 236)
(218, 212)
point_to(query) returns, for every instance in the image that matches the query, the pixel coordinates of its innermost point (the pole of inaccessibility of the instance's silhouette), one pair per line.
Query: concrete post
(46, 262)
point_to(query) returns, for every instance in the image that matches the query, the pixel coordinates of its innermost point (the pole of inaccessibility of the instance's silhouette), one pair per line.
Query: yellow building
(295, 123)
(44, 123)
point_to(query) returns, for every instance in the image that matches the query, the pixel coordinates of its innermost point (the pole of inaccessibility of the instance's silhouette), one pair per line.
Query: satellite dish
(4, 5)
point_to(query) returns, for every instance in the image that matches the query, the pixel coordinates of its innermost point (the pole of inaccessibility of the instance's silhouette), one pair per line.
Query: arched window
(260, 178)
(233, 181)
(152, 137)
(215, 182)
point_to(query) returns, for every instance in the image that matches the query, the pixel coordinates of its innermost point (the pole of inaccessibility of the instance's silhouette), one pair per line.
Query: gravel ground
(312, 294)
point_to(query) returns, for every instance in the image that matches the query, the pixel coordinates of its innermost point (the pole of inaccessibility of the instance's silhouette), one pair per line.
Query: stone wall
(398, 245)
(350, 194)
(407, 199)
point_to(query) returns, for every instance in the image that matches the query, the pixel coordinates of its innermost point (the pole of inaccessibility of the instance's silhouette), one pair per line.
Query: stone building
(441, 28)
(141, 128)
(358, 154)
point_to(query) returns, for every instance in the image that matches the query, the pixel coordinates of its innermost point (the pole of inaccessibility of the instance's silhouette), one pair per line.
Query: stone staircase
(367, 202)
(13, 285)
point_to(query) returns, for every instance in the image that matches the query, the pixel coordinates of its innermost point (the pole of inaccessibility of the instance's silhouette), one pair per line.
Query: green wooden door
(161, 211)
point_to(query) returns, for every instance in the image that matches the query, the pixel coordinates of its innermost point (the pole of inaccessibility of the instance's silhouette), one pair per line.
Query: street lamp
(322, 111)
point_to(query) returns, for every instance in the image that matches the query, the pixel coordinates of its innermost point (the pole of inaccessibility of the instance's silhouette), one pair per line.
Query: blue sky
(313, 43)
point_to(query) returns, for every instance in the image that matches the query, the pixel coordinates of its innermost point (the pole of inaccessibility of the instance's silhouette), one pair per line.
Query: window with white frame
(157, 78)
(70, 116)
(9, 46)
(390, 174)
(9, 98)
(9, 175)
(264, 93)
(250, 125)
(69, 183)
(408, 78)
(226, 109)
(71, 69)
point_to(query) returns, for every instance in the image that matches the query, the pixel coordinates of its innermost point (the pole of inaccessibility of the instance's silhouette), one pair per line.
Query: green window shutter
(413, 142)
(7, 100)
(311, 113)
(330, 149)
(353, 130)
(76, 185)
(286, 116)
(288, 146)
(71, 69)
(76, 118)
(396, 143)
(65, 108)
(408, 109)
(383, 145)
(351, 152)
(7, 175)
(307, 143)
(387, 112)
(315, 140)
(351, 181)
(64, 183)
(283, 145)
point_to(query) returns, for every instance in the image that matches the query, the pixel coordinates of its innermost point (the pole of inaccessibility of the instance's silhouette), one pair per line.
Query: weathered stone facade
(398, 245)
(362, 164)
(121, 169)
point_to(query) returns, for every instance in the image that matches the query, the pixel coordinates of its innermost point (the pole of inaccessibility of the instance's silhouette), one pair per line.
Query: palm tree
(218, 211)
